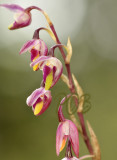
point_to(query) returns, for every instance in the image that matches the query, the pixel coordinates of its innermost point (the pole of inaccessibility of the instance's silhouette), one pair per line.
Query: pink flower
(40, 100)
(37, 48)
(52, 69)
(22, 16)
(67, 130)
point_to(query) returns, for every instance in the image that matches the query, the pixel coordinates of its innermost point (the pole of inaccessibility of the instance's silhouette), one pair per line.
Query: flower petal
(47, 76)
(28, 46)
(12, 7)
(43, 48)
(40, 100)
(31, 100)
(38, 108)
(36, 44)
(74, 137)
(22, 17)
(46, 102)
(46, 70)
(39, 60)
(17, 25)
(59, 138)
(63, 143)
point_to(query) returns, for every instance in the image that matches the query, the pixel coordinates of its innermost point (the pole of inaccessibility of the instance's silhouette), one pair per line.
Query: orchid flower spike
(22, 16)
(40, 100)
(36, 47)
(52, 69)
(67, 130)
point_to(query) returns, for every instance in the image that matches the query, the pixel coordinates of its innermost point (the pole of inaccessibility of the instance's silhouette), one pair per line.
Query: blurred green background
(91, 24)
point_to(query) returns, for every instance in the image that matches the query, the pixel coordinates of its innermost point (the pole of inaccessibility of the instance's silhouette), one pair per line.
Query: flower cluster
(51, 67)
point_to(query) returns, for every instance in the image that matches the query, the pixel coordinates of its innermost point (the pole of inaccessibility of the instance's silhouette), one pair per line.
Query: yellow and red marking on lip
(38, 108)
(49, 80)
(35, 67)
(63, 144)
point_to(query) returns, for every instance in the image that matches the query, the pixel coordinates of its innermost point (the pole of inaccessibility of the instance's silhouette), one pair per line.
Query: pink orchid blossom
(40, 100)
(37, 48)
(67, 130)
(52, 69)
(22, 16)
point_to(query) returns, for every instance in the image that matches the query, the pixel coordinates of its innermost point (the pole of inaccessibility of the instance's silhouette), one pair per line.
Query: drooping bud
(22, 16)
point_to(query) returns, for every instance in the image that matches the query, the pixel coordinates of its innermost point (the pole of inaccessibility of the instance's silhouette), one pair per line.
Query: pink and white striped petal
(40, 100)
(36, 44)
(35, 95)
(74, 137)
(12, 7)
(59, 138)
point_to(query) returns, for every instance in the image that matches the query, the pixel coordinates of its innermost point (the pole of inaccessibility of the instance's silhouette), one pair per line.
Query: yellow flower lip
(63, 144)
(49, 80)
(35, 67)
(10, 26)
(38, 108)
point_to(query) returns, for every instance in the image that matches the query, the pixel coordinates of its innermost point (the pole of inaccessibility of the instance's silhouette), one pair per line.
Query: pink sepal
(36, 44)
(12, 7)
(42, 94)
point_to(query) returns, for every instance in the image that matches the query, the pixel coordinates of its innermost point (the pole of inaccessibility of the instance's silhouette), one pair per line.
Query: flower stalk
(52, 68)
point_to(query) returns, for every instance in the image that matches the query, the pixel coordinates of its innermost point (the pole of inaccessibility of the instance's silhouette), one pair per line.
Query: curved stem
(51, 51)
(86, 138)
(60, 113)
(36, 33)
(43, 12)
